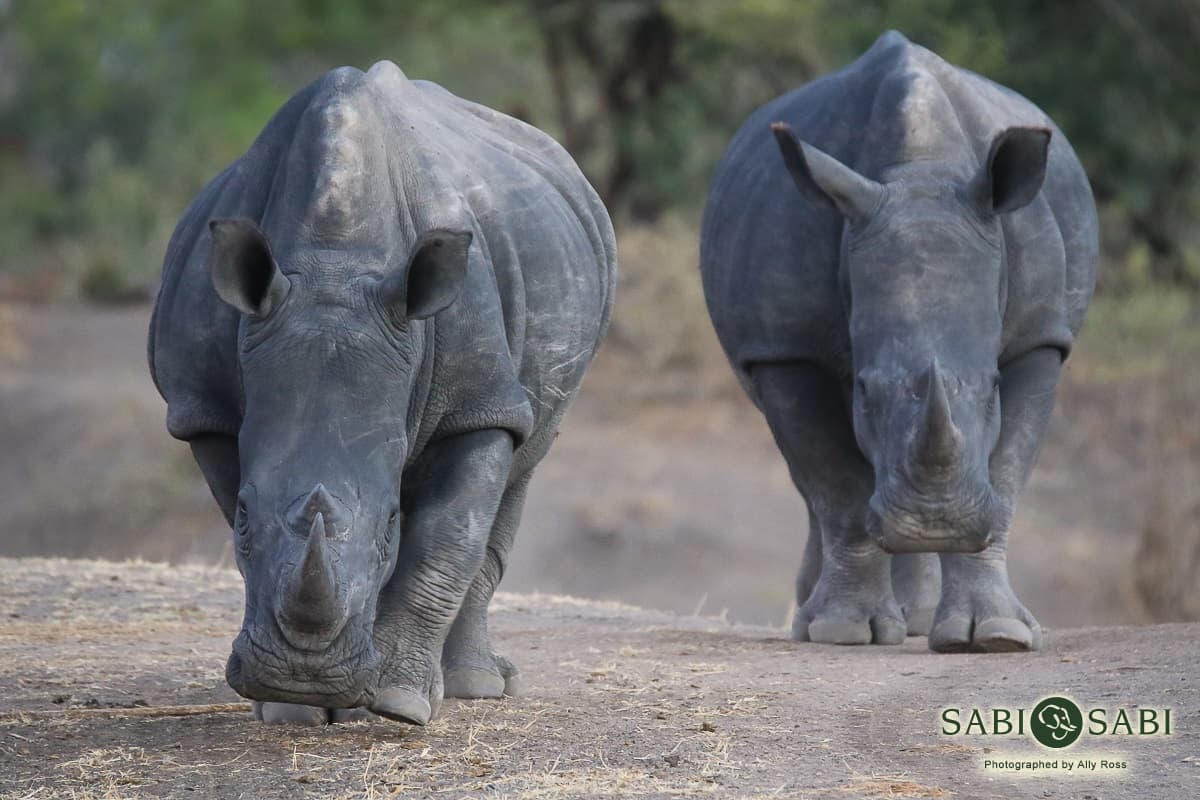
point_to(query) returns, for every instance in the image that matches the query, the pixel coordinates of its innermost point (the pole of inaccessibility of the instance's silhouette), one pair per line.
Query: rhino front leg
(450, 501)
(470, 666)
(851, 601)
(978, 608)
(810, 564)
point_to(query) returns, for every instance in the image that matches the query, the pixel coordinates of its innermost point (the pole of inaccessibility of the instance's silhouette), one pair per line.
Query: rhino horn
(937, 445)
(311, 596)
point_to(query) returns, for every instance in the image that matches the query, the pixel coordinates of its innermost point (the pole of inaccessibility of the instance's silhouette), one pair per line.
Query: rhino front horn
(310, 601)
(937, 445)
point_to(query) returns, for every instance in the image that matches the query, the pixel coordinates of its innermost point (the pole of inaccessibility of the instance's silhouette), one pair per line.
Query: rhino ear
(824, 179)
(244, 272)
(433, 277)
(1016, 167)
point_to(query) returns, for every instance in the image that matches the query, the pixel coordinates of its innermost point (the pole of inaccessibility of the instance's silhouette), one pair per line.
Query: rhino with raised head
(369, 328)
(901, 321)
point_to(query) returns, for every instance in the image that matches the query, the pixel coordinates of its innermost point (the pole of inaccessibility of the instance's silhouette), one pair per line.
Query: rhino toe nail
(403, 705)
(292, 714)
(471, 683)
(951, 635)
(1000, 635)
(888, 630)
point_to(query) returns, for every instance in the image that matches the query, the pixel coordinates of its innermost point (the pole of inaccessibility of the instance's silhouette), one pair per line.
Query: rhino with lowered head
(901, 321)
(369, 328)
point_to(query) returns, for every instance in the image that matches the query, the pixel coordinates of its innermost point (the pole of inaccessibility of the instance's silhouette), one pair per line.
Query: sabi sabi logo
(1056, 722)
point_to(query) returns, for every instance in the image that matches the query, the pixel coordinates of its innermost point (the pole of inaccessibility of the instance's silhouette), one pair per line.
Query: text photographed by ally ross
(1056, 722)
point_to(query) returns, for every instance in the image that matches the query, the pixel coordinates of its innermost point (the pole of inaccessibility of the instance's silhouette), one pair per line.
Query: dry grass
(879, 787)
(630, 704)
(68, 615)
(29, 717)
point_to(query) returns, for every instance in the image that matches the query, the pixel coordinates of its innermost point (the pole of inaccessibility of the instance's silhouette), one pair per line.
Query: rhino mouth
(275, 672)
(950, 528)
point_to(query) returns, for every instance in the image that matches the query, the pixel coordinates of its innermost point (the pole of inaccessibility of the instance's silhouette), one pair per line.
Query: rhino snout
(265, 668)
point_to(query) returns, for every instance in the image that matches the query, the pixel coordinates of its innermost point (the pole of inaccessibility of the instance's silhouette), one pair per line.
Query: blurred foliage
(113, 114)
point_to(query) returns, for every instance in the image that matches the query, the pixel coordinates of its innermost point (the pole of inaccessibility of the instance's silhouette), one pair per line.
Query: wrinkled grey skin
(897, 294)
(369, 328)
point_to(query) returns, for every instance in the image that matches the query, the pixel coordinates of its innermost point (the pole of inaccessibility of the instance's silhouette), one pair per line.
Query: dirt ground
(111, 686)
(666, 493)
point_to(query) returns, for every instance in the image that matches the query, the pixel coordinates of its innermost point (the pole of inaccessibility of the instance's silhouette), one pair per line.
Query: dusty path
(620, 702)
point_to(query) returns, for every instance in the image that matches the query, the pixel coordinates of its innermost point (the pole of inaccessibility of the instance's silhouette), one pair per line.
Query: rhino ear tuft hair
(1016, 168)
(824, 179)
(433, 277)
(244, 273)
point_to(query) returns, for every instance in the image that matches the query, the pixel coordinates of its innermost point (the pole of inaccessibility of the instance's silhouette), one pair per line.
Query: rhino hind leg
(470, 667)
(917, 583)
(810, 565)
(850, 601)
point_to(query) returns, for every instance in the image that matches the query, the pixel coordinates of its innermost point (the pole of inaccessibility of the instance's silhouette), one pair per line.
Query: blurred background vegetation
(114, 113)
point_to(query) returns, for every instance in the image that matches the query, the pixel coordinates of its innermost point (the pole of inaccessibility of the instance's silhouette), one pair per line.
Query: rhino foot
(961, 634)
(496, 679)
(403, 704)
(297, 714)
(881, 628)
(841, 622)
(404, 699)
(983, 616)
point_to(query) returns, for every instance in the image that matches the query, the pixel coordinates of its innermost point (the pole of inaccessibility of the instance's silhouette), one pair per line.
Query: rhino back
(550, 243)
(770, 258)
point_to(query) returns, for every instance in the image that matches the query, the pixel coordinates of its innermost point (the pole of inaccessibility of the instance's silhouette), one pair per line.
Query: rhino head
(923, 281)
(328, 359)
